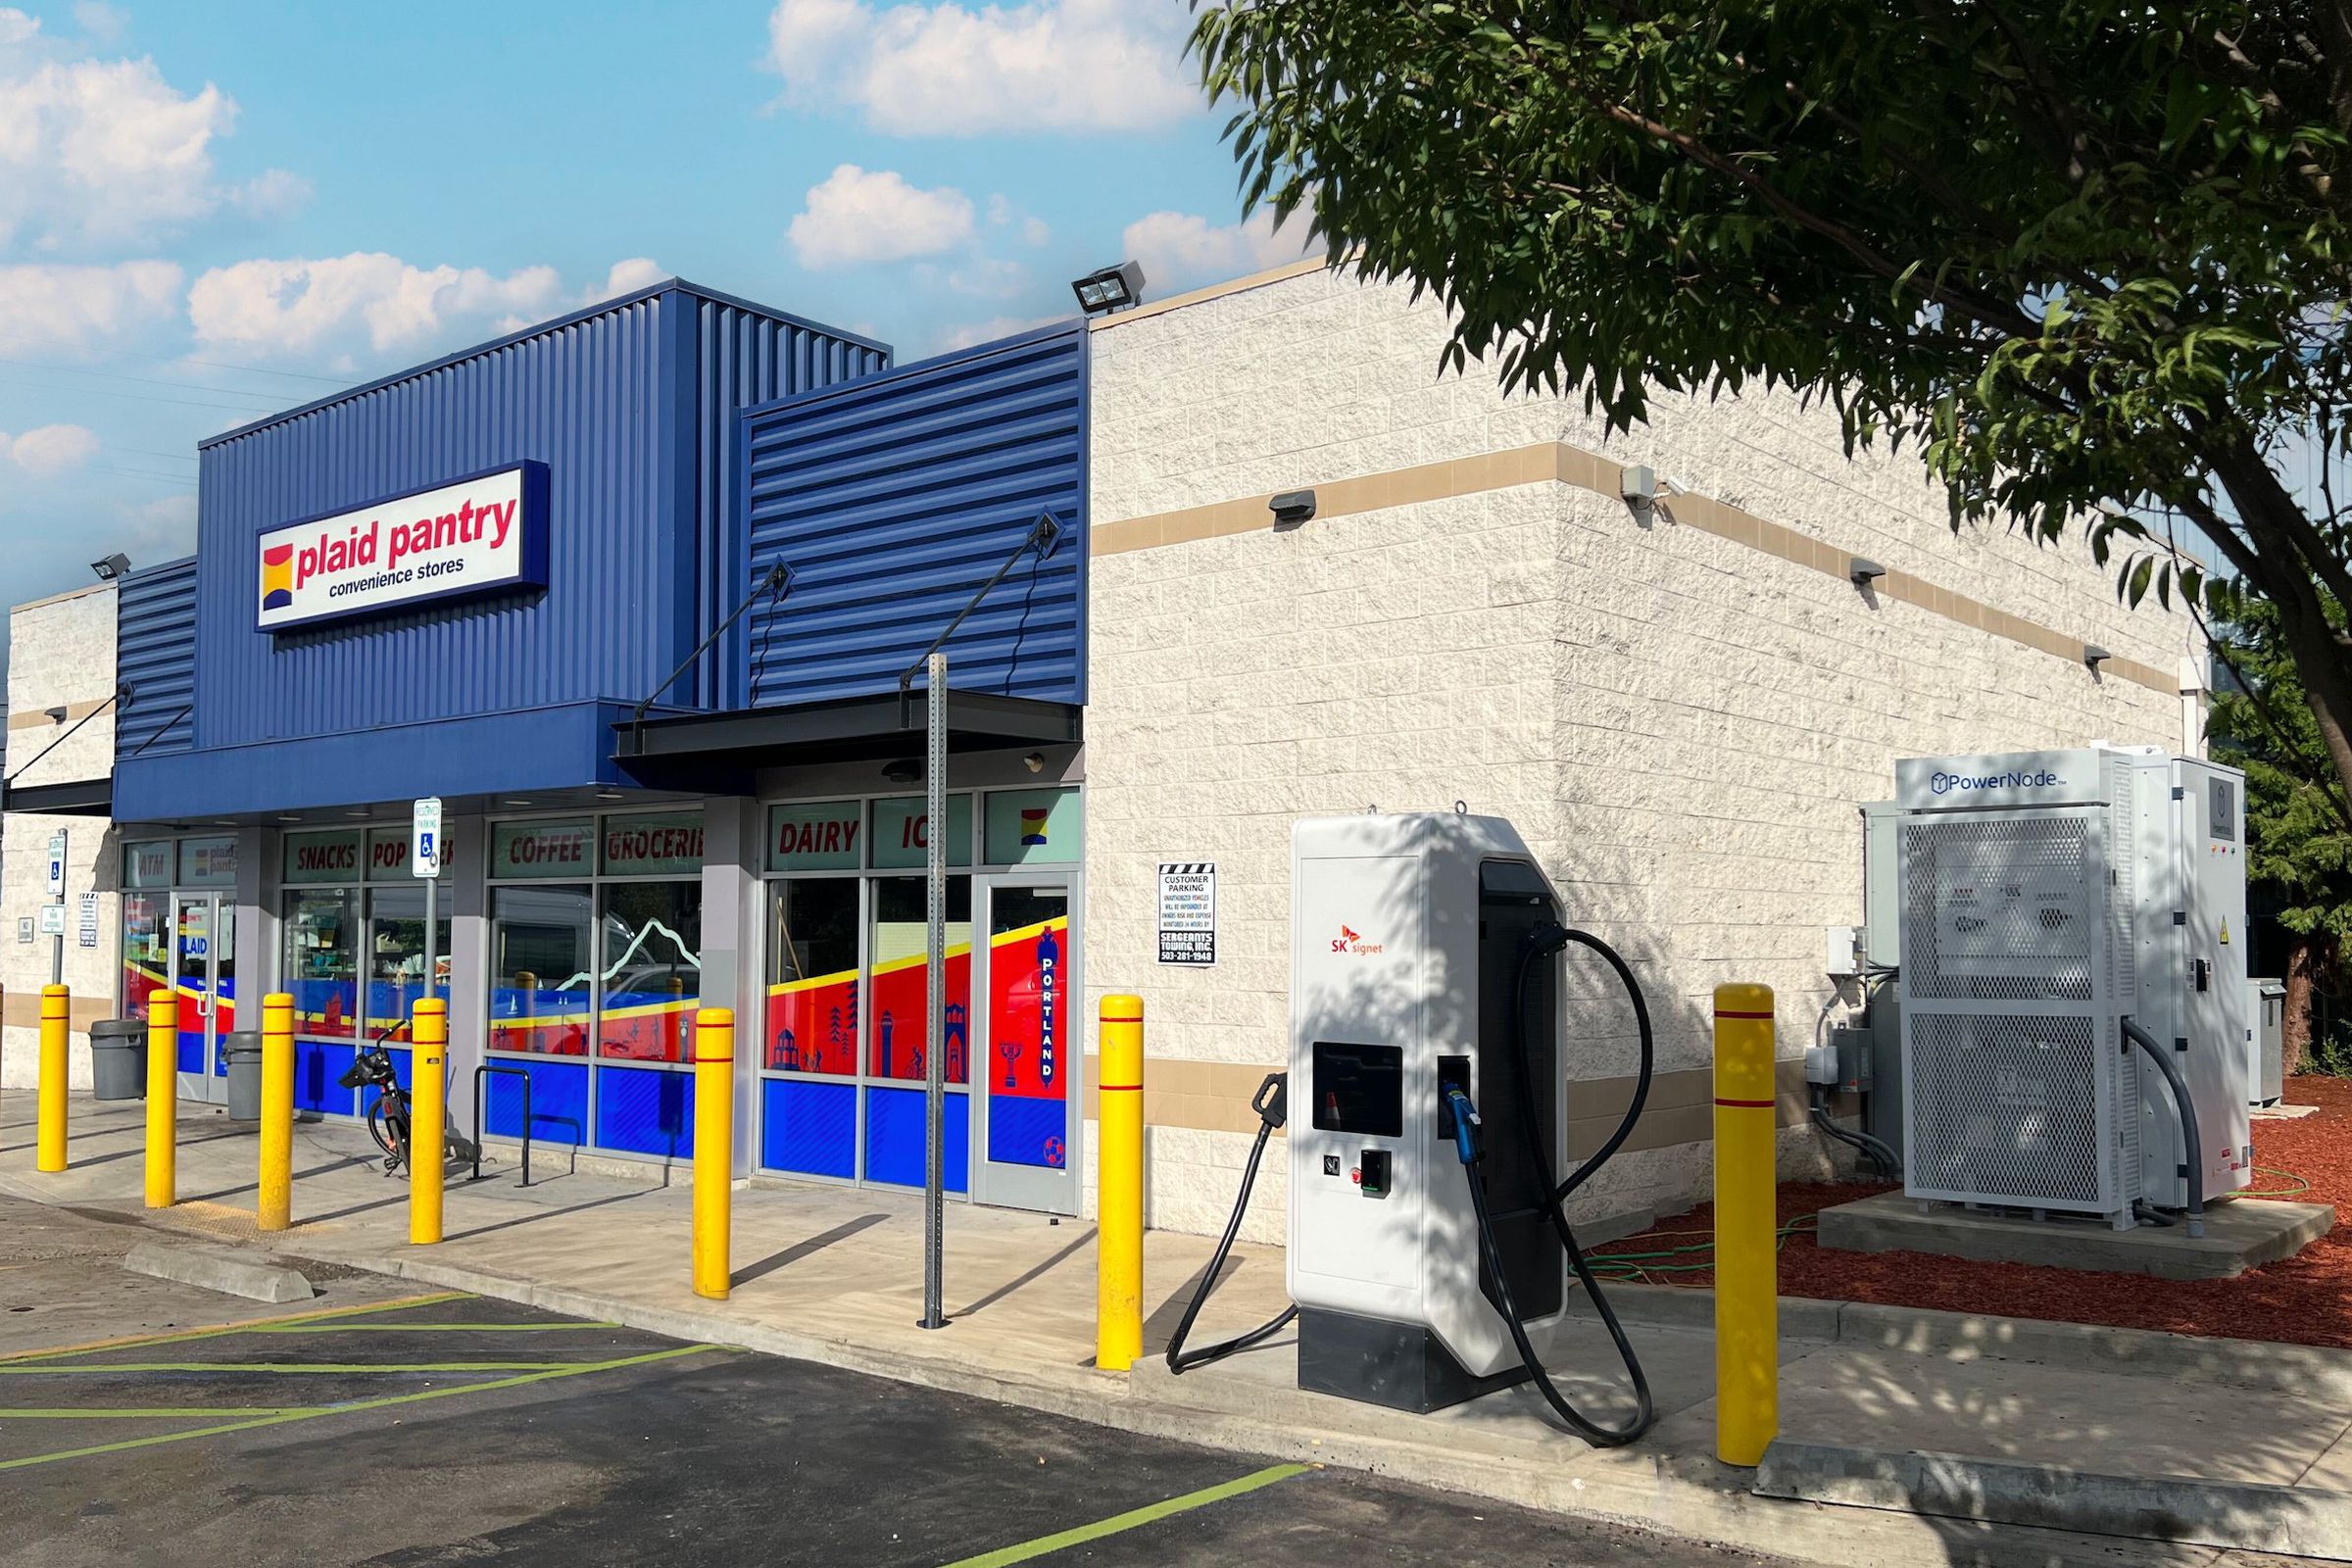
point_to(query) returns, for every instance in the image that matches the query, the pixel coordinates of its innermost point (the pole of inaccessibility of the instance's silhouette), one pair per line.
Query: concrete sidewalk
(1907, 1437)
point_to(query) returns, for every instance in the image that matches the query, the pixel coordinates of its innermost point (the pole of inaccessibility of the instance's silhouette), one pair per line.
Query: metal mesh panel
(2006, 1110)
(1997, 910)
(2122, 862)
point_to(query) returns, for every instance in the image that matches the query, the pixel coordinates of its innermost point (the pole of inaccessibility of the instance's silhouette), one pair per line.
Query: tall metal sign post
(935, 961)
(424, 861)
(57, 896)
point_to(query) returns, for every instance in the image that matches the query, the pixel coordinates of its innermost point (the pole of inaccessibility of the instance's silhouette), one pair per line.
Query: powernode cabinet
(2044, 898)
(1406, 939)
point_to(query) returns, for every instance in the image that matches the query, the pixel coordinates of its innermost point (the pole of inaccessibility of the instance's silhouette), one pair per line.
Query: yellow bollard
(163, 1099)
(1747, 1303)
(429, 1117)
(713, 1149)
(273, 1207)
(57, 1009)
(1119, 1221)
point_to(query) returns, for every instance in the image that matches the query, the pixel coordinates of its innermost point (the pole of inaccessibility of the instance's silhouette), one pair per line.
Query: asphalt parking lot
(442, 1428)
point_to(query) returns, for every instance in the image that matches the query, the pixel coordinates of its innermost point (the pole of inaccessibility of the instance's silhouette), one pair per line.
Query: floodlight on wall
(2094, 655)
(57, 715)
(904, 772)
(1113, 288)
(1291, 508)
(1035, 761)
(111, 566)
(1862, 571)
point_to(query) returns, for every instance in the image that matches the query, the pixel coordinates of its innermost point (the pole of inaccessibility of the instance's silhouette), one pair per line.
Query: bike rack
(510, 1072)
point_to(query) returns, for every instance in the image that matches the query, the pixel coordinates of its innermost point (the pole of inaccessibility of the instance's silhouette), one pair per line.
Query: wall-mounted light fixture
(1291, 508)
(57, 715)
(111, 566)
(905, 770)
(1035, 761)
(1863, 571)
(1113, 288)
(2094, 655)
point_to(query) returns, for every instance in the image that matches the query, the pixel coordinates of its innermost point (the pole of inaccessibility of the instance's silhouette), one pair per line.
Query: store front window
(845, 1052)
(351, 923)
(596, 935)
(540, 969)
(813, 977)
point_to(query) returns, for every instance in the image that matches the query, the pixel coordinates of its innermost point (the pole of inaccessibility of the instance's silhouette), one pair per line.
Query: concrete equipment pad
(2240, 1235)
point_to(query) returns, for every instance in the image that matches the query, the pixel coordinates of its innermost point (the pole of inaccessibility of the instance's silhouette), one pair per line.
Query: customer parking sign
(1187, 912)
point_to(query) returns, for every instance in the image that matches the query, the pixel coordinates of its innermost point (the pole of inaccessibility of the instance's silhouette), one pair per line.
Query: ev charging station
(1407, 934)
(1427, 1237)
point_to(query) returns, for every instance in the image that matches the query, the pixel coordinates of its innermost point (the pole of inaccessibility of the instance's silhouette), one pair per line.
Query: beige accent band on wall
(1557, 461)
(37, 717)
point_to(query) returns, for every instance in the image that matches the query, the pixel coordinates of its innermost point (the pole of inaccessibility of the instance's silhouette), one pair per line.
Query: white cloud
(334, 308)
(77, 304)
(157, 530)
(861, 215)
(1004, 215)
(1181, 249)
(626, 278)
(51, 449)
(99, 22)
(949, 70)
(105, 152)
(988, 331)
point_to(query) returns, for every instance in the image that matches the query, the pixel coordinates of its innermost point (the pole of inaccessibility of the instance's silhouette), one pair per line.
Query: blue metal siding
(745, 358)
(629, 405)
(893, 498)
(155, 653)
(586, 400)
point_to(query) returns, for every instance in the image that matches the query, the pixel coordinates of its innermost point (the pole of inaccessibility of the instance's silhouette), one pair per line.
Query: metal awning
(845, 730)
(84, 796)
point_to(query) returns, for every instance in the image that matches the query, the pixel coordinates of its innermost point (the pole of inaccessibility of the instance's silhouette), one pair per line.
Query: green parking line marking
(387, 1401)
(290, 1367)
(1134, 1517)
(432, 1328)
(217, 1329)
(104, 1412)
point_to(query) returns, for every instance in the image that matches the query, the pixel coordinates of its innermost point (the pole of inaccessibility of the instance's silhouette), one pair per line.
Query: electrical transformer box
(2043, 898)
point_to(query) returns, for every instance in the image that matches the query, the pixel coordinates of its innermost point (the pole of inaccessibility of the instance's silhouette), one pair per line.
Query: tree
(2092, 258)
(2298, 831)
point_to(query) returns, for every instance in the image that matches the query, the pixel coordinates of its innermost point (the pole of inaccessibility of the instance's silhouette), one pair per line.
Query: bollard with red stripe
(1747, 1359)
(1119, 1222)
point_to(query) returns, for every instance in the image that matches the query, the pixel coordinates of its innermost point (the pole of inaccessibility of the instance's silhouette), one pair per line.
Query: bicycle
(388, 1113)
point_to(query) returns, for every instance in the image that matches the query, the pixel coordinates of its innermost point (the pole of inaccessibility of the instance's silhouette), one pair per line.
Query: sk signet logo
(1352, 940)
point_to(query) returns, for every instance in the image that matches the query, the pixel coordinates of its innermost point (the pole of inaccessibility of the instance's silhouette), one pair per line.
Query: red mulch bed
(2305, 1299)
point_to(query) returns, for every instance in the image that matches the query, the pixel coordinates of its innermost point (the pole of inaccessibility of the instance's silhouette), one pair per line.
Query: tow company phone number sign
(479, 534)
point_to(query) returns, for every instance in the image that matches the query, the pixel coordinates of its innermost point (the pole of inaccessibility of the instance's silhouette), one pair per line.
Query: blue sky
(212, 211)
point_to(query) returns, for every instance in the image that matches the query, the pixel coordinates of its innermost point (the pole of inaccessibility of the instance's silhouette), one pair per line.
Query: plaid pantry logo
(278, 576)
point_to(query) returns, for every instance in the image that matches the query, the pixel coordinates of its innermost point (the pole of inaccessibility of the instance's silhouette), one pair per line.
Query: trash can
(117, 1059)
(242, 1053)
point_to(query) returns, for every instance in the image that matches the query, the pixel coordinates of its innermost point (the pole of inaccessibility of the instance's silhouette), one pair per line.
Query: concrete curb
(2245, 1516)
(229, 1273)
(2237, 1237)
(1971, 1336)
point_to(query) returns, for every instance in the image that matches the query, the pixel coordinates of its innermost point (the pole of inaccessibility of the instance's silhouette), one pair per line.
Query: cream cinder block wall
(1681, 710)
(60, 654)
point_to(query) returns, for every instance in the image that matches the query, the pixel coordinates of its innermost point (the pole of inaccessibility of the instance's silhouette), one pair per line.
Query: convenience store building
(539, 580)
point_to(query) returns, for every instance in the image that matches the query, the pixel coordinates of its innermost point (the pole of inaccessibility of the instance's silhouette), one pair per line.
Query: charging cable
(1542, 944)
(1272, 1104)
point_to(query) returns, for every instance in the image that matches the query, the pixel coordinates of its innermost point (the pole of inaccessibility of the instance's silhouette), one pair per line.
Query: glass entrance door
(1028, 1054)
(202, 964)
